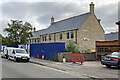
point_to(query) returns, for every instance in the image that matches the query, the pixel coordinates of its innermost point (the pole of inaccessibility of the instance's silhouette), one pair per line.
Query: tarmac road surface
(12, 69)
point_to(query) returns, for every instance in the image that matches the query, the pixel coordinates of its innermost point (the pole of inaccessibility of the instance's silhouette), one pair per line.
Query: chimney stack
(118, 23)
(52, 20)
(92, 8)
(34, 29)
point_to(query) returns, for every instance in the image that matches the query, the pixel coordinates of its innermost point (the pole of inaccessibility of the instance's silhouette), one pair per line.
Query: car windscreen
(21, 51)
(116, 54)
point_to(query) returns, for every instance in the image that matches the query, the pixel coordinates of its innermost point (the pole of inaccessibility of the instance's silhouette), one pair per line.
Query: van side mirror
(13, 52)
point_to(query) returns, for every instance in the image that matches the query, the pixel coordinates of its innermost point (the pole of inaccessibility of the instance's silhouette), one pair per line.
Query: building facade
(84, 30)
(107, 47)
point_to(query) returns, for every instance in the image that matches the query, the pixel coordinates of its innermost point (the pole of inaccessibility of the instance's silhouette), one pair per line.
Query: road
(12, 69)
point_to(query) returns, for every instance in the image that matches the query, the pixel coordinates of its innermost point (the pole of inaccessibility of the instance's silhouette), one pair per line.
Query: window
(30, 41)
(35, 40)
(60, 35)
(45, 38)
(42, 38)
(49, 37)
(67, 35)
(72, 34)
(107, 49)
(38, 40)
(100, 49)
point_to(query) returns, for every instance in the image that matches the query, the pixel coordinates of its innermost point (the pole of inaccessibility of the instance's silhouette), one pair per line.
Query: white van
(17, 54)
(5, 51)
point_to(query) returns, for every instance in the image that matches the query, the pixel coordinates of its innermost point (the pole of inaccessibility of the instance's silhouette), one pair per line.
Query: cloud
(119, 11)
(39, 13)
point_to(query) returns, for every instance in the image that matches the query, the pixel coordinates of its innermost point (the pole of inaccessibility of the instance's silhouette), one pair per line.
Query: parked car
(111, 60)
(17, 54)
(5, 51)
(1, 53)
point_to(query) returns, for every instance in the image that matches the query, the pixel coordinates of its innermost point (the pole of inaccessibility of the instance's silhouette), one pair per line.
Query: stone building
(82, 29)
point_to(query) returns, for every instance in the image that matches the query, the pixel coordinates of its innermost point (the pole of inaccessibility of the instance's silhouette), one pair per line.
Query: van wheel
(5, 57)
(15, 60)
(8, 57)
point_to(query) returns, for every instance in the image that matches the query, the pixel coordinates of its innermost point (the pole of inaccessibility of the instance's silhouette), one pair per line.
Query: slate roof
(71, 23)
(111, 36)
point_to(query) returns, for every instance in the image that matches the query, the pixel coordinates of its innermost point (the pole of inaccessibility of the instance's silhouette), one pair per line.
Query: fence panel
(46, 49)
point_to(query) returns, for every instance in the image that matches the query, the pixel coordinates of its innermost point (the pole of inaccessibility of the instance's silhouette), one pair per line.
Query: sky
(39, 12)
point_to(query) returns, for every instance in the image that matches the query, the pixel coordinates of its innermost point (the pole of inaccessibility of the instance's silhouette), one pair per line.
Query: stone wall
(89, 32)
(67, 56)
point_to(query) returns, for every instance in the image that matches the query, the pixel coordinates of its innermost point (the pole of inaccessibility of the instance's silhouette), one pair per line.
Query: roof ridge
(72, 17)
(111, 33)
(41, 30)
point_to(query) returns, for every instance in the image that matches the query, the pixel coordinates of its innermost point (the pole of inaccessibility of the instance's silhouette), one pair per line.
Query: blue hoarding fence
(0, 48)
(49, 50)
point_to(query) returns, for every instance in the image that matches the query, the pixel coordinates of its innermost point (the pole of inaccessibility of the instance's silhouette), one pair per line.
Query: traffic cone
(42, 57)
(38, 56)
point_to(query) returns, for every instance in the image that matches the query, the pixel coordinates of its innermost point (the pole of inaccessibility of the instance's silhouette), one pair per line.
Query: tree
(4, 40)
(18, 32)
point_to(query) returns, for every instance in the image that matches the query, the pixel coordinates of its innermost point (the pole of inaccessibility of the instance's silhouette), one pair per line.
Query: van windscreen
(20, 51)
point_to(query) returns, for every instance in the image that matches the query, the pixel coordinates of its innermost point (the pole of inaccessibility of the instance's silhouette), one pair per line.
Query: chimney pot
(92, 8)
(52, 20)
(34, 29)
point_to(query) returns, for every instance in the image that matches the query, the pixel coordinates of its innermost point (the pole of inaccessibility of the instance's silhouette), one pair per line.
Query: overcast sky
(38, 12)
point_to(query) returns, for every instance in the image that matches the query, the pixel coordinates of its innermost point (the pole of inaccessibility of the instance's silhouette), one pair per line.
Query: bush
(71, 47)
(54, 57)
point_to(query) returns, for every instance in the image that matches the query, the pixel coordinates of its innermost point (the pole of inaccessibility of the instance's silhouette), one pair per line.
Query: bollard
(64, 60)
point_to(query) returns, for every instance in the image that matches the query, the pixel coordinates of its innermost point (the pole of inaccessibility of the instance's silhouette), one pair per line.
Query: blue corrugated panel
(0, 48)
(12, 46)
(46, 49)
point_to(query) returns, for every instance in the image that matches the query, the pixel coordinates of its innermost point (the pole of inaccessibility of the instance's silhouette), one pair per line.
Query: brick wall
(98, 43)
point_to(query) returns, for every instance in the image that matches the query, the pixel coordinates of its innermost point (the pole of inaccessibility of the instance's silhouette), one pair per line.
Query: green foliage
(84, 51)
(71, 47)
(18, 32)
(4, 40)
(54, 57)
(68, 60)
(86, 58)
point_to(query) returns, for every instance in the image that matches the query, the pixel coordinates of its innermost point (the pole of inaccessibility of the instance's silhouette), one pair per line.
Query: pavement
(90, 69)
